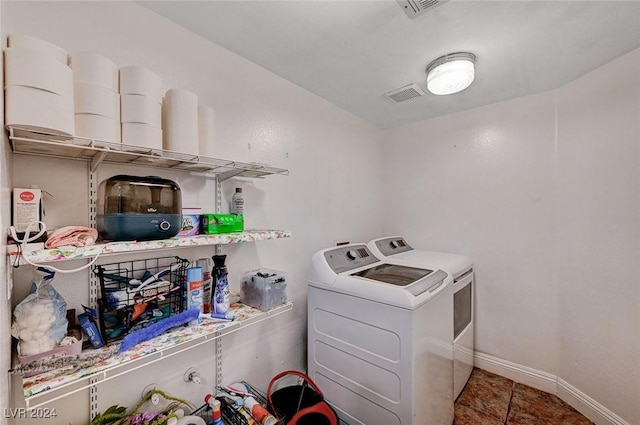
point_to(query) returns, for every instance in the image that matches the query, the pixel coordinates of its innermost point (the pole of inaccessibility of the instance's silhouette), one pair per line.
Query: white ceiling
(352, 52)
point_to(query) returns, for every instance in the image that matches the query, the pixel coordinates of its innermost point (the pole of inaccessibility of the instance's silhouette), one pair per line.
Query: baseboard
(525, 375)
(547, 382)
(593, 410)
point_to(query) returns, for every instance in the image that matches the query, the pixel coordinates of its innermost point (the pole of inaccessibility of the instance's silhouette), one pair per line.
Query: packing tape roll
(28, 41)
(145, 136)
(180, 121)
(89, 67)
(35, 68)
(96, 99)
(139, 80)
(206, 130)
(39, 110)
(97, 127)
(136, 108)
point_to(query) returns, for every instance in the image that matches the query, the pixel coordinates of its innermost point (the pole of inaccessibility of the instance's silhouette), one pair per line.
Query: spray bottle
(220, 301)
(205, 263)
(216, 414)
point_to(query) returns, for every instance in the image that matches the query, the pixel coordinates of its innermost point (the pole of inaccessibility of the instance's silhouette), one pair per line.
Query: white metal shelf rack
(45, 388)
(96, 152)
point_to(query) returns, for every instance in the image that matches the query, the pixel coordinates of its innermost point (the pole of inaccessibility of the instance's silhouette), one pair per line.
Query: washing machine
(380, 345)
(461, 269)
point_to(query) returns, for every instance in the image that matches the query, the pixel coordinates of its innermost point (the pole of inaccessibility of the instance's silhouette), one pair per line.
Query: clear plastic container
(263, 289)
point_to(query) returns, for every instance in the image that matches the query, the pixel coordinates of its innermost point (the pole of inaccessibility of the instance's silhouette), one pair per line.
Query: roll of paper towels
(206, 130)
(139, 80)
(96, 99)
(28, 41)
(180, 121)
(97, 127)
(141, 135)
(38, 69)
(38, 110)
(137, 108)
(89, 67)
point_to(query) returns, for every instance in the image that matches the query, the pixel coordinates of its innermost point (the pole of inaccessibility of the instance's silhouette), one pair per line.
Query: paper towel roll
(180, 121)
(139, 80)
(38, 110)
(140, 109)
(206, 130)
(96, 99)
(97, 127)
(38, 69)
(89, 67)
(143, 135)
(28, 41)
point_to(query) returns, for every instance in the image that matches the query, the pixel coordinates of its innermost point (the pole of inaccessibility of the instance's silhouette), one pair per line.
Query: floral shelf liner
(46, 381)
(72, 253)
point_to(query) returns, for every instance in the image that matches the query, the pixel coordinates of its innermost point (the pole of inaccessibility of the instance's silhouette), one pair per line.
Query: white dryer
(380, 346)
(460, 267)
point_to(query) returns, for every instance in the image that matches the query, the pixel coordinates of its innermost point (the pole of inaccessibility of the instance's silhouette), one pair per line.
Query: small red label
(27, 196)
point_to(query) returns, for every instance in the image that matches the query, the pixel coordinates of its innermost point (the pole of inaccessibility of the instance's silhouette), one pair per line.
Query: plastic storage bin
(263, 289)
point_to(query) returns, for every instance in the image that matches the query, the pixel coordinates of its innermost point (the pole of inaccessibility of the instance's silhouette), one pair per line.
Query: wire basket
(230, 413)
(135, 294)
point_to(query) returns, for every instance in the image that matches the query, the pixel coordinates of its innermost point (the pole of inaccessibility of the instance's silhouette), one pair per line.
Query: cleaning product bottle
(195, 288)
(237, 202)
(205, 263)
(220, 302)
(258, 412)
(216, 413)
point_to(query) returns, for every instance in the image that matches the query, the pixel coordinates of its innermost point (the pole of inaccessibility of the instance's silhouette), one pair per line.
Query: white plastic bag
(40, 320)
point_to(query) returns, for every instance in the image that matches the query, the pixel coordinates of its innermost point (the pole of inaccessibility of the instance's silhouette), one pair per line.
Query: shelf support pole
(93, 207)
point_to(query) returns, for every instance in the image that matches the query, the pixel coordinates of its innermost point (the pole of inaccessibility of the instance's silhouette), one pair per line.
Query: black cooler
(138, 208)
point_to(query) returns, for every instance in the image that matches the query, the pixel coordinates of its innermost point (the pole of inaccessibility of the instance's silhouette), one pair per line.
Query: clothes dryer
(460, 267)
(380, 346)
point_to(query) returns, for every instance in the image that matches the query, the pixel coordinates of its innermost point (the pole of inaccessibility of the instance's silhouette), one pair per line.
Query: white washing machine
(461, 268)
(379, 345)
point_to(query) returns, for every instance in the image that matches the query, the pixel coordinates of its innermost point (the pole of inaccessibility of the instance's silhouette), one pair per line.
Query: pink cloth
(72, 235)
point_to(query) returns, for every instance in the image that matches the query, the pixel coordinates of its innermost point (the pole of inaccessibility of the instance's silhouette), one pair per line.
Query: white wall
(598, 234)
(543, 193)
(480, 183)
(259, 117)
(5, 213)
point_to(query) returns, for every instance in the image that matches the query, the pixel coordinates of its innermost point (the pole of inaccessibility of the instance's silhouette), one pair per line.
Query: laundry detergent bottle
(220, 300)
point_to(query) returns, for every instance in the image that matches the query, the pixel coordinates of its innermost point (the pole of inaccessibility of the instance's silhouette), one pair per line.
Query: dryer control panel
(394, 245)
(349, 257)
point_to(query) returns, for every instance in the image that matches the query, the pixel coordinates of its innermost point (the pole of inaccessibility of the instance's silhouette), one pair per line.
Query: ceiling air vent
(415, 8)
(405, 93)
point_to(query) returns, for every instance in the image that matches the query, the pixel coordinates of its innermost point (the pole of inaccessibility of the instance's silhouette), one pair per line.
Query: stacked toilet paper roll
(180, 121)
(141, 107)
(96, 98)
(206, 130)
(38, 86)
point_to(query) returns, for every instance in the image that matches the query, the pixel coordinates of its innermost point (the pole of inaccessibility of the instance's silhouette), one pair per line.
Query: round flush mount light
(451, 73)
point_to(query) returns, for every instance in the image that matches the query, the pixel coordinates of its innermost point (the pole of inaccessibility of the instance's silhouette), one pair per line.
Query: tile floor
(490, 399)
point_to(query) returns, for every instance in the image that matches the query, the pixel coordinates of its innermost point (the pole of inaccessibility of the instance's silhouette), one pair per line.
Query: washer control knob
(164, 225)
(352, 254)
(394, 244)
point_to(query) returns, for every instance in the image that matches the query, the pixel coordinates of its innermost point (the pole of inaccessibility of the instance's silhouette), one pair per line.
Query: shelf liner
(72, 253)
(47, 381)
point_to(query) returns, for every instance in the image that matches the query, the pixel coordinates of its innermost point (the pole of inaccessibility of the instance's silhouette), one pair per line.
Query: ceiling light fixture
(451, 73)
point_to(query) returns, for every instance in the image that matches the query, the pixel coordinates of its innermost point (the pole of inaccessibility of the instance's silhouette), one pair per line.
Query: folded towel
(71, 235)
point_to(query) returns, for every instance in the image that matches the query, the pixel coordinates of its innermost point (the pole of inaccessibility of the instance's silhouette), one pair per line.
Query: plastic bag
(40, 320)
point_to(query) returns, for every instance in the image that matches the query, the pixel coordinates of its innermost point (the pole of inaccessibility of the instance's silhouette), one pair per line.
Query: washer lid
(393, 274)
